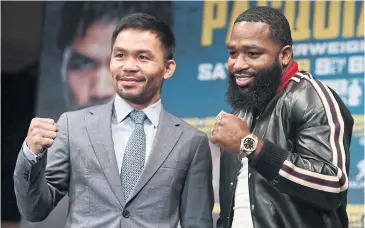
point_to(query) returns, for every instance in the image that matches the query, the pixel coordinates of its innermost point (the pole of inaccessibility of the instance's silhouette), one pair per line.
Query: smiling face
(255, 65)
(139, 67)
(251, 49)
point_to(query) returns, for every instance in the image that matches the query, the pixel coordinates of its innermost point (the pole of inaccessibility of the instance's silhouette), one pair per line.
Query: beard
(256, 95)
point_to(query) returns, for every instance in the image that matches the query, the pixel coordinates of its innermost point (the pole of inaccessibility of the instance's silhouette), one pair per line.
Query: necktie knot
(138, 116)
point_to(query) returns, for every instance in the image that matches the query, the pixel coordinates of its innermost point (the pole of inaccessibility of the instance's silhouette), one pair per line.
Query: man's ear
(170, 67)
(286, 55)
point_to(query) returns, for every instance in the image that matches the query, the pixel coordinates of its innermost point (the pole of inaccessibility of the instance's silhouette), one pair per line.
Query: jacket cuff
(30, 155)
(31, 168)
(269, 161)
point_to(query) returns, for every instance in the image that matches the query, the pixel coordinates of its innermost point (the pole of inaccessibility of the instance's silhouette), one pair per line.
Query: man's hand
(228, 132)
(41, 134)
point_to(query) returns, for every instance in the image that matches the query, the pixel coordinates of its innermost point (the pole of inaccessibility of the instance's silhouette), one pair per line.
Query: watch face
(249, 144)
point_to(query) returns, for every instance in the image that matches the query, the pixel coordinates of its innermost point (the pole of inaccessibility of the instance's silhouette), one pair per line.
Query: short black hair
(279, 25)
(151, 23)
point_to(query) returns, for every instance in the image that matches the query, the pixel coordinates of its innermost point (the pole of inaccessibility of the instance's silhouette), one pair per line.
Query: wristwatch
(248, 145)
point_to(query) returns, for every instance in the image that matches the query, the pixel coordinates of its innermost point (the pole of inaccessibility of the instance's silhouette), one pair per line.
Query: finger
(223, 115)
(48, 127)
(217, 123)
(43, 133)
(44, 126)
(47, 142)
(229, 117)
(213, 131)
(47, 120)
(217, 129)
(242, 119)
(57, 127)
(49, 134)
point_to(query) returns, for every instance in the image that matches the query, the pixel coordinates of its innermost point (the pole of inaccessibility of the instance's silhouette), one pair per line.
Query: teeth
(242, 79)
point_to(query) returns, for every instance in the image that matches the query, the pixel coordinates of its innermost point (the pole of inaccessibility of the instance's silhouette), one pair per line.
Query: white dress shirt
(122, 128)
(242, 210)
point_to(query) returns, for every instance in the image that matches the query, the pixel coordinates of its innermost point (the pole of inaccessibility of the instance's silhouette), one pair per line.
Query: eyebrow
(77, 55)
(115, 49)
(119, 49)
(246, 47)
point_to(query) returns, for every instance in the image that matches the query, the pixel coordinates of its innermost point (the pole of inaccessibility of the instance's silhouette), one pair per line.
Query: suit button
(126, 214)
(26, 174)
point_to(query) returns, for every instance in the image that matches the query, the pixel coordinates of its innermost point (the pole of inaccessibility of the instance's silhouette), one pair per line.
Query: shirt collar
(122, 110)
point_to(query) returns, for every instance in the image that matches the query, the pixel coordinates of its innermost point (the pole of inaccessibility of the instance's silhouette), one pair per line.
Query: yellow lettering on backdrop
(348, 19)
(214, 17)
(238, 8)
(360, 24)
(262, 3)
(276, 4)
(304, 64)
(300, 28)
(332, 30)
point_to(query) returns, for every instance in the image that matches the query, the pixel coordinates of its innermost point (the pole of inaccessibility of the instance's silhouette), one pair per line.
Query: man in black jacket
(285, 147)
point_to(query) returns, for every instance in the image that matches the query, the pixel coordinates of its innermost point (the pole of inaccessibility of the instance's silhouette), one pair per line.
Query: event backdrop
(328, 41)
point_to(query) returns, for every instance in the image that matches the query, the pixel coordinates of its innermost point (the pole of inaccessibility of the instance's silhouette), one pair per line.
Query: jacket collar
(293, 69)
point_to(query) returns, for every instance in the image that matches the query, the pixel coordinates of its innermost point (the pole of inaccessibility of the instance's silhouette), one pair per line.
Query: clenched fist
(41, 134)
(228, 132)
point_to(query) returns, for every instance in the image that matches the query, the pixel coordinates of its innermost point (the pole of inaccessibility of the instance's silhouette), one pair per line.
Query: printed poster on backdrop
(328, 41)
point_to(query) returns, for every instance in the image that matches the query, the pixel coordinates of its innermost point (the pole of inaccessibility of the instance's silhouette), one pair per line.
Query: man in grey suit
(128, 163)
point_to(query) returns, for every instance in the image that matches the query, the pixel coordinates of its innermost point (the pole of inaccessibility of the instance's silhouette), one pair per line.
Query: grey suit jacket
(176, 183)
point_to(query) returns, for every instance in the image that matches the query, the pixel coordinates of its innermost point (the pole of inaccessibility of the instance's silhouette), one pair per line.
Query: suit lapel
(98, 125)
(167, 135)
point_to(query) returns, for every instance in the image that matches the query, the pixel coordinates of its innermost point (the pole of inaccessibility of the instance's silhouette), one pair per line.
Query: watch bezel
(243, 149)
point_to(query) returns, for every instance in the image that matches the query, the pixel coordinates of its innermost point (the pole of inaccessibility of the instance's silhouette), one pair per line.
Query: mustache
(120, 76)
(243, 72)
